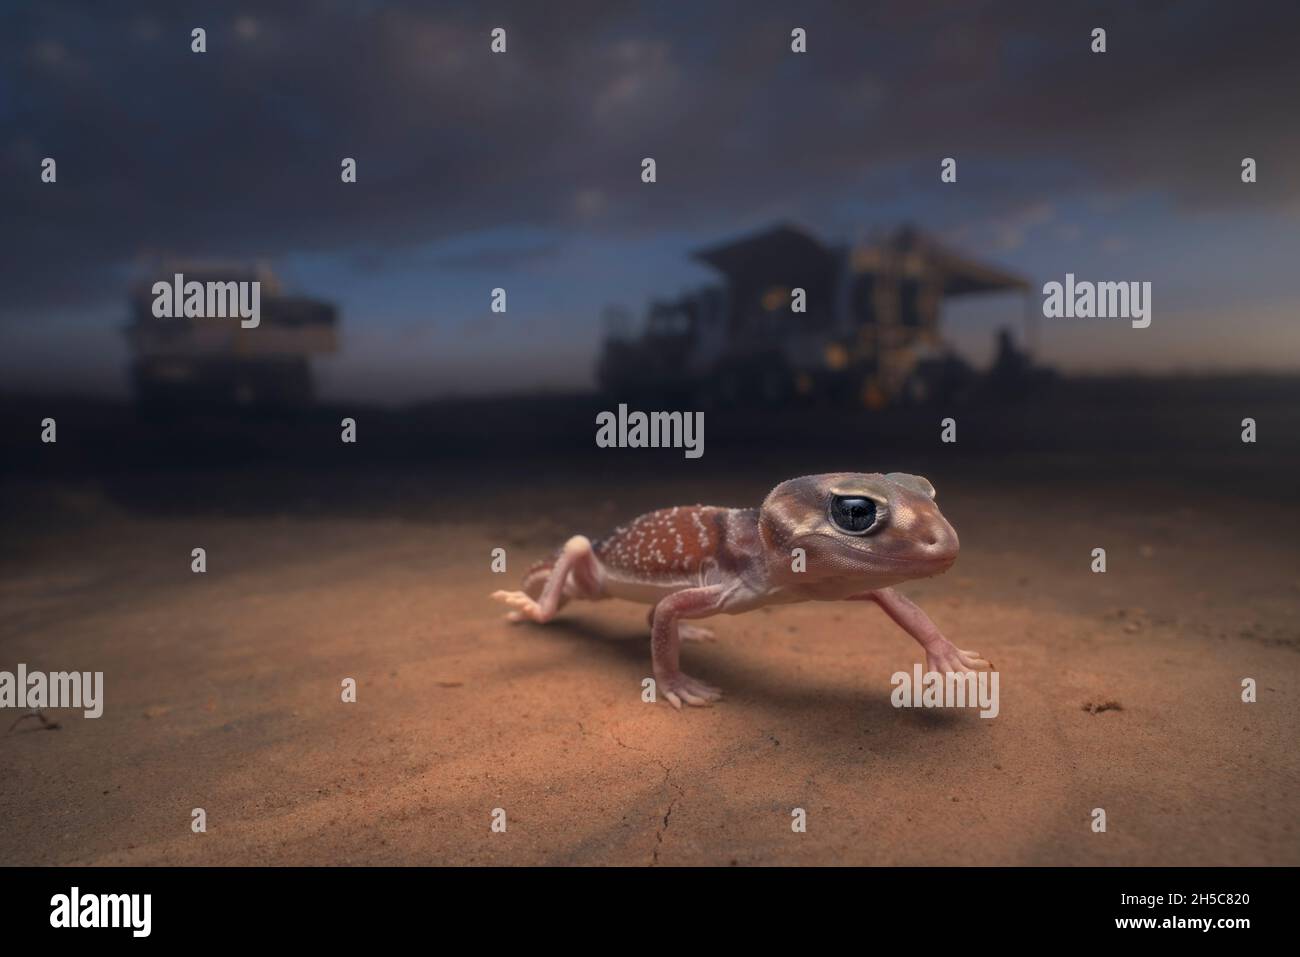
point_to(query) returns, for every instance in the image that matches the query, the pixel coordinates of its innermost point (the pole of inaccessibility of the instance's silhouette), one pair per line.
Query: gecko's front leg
(684, 631)
(665, 644)
(941, 655)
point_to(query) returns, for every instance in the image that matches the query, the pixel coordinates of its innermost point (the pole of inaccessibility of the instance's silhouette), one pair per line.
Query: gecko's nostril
(940, 541)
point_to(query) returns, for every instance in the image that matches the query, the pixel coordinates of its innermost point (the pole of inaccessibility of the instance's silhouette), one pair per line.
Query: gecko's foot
(682, 687)
(947, 657)
(525, 609)
(695, 632)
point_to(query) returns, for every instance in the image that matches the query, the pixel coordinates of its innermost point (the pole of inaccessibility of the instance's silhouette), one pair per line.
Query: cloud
(1011, 230)
(235, 153)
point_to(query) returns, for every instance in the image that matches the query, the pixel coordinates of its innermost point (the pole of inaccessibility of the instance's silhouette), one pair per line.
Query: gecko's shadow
(722, 663)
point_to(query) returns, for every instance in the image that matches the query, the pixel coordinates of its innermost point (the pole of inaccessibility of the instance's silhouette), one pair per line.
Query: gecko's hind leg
(575, 574)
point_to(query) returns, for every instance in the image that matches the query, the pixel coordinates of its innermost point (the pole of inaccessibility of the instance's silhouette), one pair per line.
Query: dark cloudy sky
(478, 170)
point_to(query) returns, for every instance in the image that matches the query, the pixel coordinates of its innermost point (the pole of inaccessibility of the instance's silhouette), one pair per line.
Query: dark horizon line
(18, 396)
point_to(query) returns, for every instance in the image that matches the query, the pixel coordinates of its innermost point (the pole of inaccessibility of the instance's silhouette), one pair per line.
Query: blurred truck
(216, 363)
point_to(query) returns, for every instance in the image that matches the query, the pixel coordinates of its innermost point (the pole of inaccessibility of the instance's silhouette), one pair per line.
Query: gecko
(859, 534)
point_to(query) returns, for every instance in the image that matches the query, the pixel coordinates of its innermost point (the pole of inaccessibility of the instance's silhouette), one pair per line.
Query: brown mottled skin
(859, 534)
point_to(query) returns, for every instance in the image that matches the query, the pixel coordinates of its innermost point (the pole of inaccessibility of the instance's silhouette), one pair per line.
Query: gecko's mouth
(934, 565)
(941, 556)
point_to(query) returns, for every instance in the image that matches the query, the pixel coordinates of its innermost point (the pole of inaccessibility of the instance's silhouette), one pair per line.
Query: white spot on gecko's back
(666, 543)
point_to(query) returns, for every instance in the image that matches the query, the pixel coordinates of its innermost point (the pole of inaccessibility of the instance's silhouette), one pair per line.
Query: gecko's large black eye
(853, 514)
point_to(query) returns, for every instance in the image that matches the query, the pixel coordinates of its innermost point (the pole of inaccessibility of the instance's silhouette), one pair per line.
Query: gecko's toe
(948, 658)
(972, 660)
(525, 609)
(693, 699)
(682, 687)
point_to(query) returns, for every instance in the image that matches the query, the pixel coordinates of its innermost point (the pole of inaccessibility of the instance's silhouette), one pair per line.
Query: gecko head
(865, 529)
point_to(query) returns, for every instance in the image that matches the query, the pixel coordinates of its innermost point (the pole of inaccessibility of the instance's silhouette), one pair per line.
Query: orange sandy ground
(223, 692)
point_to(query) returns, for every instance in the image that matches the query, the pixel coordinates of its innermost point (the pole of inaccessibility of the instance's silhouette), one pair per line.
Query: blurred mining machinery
(869, 335)
(218, 363)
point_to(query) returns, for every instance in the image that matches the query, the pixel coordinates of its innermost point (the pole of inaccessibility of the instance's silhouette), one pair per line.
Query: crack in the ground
(623, 744)
(659, 832)
(667, 782)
